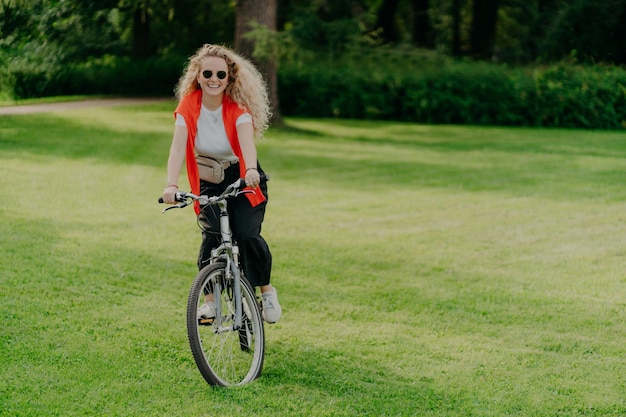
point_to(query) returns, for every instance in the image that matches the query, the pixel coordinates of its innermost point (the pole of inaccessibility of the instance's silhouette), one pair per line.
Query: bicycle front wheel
(225, 355)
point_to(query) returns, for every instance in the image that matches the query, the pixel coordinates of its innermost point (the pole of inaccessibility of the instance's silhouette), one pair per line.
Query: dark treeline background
(394, 47)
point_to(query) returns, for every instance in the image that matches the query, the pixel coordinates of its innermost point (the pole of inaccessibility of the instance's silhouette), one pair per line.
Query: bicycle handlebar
(232, 190)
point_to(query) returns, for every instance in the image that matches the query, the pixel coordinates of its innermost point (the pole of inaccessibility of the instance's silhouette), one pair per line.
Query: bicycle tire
(225, 357)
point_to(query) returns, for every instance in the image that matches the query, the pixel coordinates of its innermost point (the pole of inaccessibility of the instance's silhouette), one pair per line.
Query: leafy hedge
(562, 95)
(108, 75)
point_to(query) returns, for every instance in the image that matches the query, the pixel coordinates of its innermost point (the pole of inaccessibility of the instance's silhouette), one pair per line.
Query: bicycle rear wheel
(224, 355)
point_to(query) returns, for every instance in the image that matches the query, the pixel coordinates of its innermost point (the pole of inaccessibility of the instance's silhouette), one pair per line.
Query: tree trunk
(141, 32)
(422, 29)
(483, 33)
(262, 12)
(456, 27)
(386, 20)
(619, 49)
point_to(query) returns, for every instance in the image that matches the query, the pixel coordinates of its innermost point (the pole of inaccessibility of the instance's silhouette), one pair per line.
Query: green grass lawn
(423, 271)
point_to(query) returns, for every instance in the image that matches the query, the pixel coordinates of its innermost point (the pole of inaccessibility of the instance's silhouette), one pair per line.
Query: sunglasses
(208, 74)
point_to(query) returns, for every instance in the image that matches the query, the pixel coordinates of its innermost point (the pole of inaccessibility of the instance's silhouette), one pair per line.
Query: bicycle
(229, 349)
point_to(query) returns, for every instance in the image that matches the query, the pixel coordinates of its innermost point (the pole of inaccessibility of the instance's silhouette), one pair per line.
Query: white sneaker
(271, 306)
(207, 310)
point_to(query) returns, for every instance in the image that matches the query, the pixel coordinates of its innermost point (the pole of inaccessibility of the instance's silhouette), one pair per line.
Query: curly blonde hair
(246, 85)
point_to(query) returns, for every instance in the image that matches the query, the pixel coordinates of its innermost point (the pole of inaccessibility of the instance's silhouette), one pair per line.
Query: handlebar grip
(264, 178)
(179, 197)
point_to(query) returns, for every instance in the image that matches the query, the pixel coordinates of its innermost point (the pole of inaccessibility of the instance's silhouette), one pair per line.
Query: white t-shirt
(211, 139)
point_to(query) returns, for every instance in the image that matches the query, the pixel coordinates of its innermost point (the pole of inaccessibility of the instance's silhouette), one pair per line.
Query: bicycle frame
(229, 252)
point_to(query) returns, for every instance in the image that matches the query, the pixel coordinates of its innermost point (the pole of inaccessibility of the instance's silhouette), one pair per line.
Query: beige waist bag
(210, 169)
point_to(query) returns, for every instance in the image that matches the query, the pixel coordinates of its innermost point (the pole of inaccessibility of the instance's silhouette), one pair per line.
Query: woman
(223, 107)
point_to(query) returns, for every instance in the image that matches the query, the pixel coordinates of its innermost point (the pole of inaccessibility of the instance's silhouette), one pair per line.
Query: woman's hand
(169, 194)
(253, 179)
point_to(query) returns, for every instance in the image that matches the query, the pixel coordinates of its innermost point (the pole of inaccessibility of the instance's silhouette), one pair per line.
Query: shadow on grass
(455, 138)
(558, 163)
(61, 136)
(357, 386)
(515, 161)
(323, 382)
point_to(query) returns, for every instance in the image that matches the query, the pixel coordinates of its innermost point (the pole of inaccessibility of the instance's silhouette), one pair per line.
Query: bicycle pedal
(206, 322)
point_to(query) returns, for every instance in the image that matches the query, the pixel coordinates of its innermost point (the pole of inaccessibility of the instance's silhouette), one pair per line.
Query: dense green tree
(588, 30)
(40, 34)
(63, 29)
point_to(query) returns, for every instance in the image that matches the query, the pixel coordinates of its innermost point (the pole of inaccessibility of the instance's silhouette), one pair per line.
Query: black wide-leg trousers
(245, 221)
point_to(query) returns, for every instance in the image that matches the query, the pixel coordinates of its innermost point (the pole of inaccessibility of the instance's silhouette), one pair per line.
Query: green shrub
(464, 93)
(386, 85)
(573, 96)
(563, 95)
(107, 75)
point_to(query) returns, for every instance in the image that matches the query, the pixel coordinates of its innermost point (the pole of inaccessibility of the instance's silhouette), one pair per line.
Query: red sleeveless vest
(189, 108)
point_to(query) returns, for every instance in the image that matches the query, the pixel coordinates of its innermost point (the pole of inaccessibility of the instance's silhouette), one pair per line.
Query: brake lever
(181, 205)
(245, 192)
